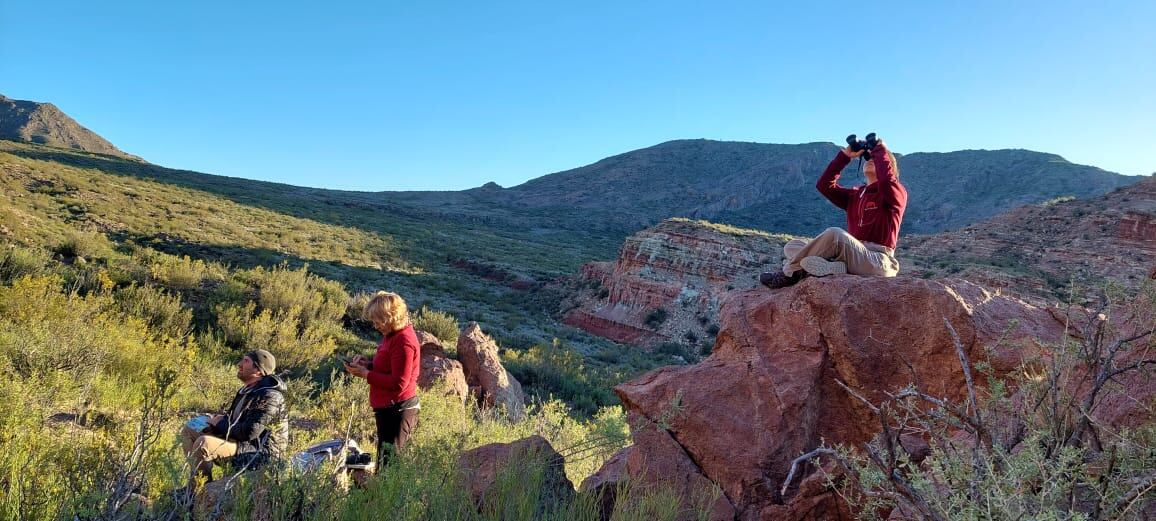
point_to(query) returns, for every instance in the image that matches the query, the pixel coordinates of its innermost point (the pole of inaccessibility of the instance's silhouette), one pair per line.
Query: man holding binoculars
(874, 215)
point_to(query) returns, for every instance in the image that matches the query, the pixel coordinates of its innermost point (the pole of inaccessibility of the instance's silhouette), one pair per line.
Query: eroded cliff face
(667, 282)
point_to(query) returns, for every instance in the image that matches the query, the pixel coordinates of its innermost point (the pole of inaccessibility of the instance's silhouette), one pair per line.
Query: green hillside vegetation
(102, 361)
(501, 278)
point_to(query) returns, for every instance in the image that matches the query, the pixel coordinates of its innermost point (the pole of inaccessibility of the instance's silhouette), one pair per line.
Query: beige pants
(837, 245)
(204, 449)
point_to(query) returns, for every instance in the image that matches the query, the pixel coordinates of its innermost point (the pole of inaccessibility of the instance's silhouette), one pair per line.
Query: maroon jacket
(874, 211)
(393, 374)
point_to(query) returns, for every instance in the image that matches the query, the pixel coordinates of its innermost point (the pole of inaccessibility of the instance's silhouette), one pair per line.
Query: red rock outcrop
(484, 466)
(679, 266)
(487, 378)
(655, 460)
(437, 366)
(768, 393)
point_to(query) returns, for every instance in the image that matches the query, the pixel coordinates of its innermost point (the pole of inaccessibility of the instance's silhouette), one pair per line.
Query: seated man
(253, 430)
(874, 215)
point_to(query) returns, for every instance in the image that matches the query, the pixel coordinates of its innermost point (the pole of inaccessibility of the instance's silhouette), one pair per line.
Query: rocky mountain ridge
(765, 186)
(45, 124)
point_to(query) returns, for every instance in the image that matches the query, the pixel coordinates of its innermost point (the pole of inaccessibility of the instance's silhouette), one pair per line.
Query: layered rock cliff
(668, 280)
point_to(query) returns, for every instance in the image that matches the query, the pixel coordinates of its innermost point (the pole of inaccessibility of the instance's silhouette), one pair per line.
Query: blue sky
(390, 95)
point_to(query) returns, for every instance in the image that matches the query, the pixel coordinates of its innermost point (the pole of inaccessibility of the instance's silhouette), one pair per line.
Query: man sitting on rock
(874, 215)
(253, 430)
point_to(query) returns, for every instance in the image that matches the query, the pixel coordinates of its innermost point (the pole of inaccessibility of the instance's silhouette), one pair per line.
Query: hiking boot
(821, 267)
(777, 279)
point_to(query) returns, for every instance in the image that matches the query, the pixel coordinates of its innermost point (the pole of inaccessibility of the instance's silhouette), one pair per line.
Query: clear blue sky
(391, 95)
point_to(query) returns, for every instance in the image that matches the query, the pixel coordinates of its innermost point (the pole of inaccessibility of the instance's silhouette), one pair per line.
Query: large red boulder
(656, 465)
(487, 378)
(495, 469)
(768, 393)
(438, 367)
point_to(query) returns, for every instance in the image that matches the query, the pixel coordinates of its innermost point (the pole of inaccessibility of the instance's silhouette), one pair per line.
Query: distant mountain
(769, 187)
(45, 124)
(752, 185)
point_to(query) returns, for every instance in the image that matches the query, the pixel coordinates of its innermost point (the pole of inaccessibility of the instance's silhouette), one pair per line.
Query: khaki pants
(204, 449)
(835, 244)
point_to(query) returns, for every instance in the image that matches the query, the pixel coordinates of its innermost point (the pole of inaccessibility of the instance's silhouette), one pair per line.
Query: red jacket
(393, 374)
(874, 211)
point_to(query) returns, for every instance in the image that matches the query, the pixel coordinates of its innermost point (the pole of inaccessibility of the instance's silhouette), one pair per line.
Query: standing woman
(392, 374)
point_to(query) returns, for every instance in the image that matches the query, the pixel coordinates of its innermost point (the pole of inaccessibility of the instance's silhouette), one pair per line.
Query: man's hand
(851, 153)
(359, 371)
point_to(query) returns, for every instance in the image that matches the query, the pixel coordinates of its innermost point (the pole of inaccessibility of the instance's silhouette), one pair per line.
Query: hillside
(492, 276)
(45, 124)
(768, 187)
(1039, 249)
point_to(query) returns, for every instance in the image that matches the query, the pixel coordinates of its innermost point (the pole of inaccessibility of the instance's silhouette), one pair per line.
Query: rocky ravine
(768, 393)
(684, 267)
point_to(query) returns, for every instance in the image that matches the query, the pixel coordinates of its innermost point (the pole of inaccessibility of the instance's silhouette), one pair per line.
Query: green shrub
(437, 323)
(296, 347)
(16, 262)
(656, 317)
(561, 371)
(313, 298)
(181, 272)
(84, 244)
(164, 313)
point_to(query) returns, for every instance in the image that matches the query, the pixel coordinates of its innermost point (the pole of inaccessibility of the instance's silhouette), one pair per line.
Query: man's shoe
(821, 267)
(777, 279)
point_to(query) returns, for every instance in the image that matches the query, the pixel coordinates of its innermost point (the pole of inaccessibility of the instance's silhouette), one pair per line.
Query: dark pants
(394, 427)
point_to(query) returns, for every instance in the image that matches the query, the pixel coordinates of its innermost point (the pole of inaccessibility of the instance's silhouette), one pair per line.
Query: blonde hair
(387, 308)
(894, 164)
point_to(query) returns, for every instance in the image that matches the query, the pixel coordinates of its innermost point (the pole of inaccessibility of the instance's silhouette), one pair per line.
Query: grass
(122, 364)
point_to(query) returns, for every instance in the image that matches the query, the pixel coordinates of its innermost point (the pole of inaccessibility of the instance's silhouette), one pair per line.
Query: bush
(437, 323)
(656, 317)
(296, 347)
(314, 299)
(181, 272)
(16, 262)
(561, 371)
(163, 312)
(84, 245)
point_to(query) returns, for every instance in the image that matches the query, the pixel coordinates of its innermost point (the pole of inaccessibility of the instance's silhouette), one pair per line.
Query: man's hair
(387, 308)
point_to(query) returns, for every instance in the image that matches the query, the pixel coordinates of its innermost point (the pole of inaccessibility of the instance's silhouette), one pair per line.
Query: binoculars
(863, 144)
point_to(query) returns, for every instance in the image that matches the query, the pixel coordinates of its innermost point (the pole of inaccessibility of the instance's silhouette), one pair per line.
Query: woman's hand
(851, 153)
(357, 370)
(360, 360)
